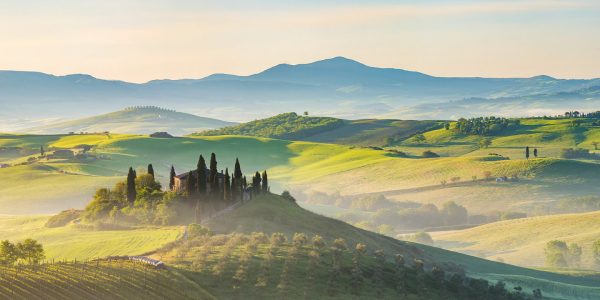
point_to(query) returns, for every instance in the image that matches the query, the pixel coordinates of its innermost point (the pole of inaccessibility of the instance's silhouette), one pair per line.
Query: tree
(8, 253)
(256, 180)
(42, 150)
(201, 180)
(131, 191)
(596, 253)
(214, 183)
(31, 250)
(172, 178)
(236, 182)
(447, 126)
(556, 252)
(454, 214)
(574, 255)
(595, 144)
(485, 142)
(419, 138)
(535, 152)
(227, 187)
(190, 187)
(151, 170)
(265, 182)
(527, 152)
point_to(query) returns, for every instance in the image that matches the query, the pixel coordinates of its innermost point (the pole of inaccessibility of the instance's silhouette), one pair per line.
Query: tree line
(484, 126)
(29, 251)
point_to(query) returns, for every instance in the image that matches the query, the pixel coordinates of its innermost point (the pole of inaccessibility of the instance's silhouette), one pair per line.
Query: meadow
(78, 242)
(522, 241)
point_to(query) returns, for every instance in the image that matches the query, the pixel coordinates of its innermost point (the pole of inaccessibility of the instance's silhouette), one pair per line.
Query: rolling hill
(522, 241)
(308, 166)
(240, 260)
(272, 214)
(337, 86)
(140, 120)
(290, 126)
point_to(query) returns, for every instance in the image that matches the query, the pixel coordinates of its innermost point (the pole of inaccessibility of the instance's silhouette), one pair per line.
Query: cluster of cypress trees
(260, 183)
(207, 184)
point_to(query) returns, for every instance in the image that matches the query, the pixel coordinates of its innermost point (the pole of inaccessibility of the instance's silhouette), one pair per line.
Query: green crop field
(96, 280)
(71, 242)
(522, 241)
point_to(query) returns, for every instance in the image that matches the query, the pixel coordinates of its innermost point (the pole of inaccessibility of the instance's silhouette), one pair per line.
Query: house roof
(186, 174)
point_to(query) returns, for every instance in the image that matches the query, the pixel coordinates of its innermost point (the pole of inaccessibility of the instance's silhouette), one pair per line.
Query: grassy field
(59, 184)
(549, 136)
(522, 241)
(308, 166)
(71, 242)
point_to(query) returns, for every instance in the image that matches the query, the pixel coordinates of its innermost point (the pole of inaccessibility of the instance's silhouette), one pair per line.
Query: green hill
(221, 256)
(290, 126)
(300, 166)
(141, 120)
(522, 241)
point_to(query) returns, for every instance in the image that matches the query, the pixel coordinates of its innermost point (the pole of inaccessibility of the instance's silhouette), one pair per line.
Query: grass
(71, 242)
(308, 165)
(522, 241)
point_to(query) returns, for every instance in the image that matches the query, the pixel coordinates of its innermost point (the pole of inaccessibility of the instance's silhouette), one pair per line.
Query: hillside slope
(522, 241)
(140, 120)
(290, 126)
(275, 214)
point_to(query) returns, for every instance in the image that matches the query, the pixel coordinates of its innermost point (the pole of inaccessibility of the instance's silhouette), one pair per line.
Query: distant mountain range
(142, 120)
(338, 87)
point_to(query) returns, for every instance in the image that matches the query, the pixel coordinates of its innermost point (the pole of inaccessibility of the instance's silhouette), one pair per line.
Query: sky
(154, 39)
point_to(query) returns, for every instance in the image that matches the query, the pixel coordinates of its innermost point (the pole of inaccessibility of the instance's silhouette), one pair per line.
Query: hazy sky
(150, 39)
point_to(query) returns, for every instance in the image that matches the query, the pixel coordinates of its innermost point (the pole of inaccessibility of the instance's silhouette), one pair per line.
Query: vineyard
(108, 279)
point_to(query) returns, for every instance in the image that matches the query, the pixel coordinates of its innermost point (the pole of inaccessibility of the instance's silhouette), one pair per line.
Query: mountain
(140, 120)
(338, 86)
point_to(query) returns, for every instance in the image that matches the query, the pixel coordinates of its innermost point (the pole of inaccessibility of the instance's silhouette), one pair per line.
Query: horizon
(272, 66)
(139, 41)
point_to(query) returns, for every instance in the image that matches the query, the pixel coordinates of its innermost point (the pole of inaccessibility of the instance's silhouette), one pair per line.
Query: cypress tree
(172, 178)
(527, 152)
(214, 183)
(244, 182)
(131, 192)
(237, 173)
(256, 183)
(42, 150)
(190, 188)
(535, 152)
(236, 182)
(265, 182)
(227, 187)
(151, 170)
(201, 169)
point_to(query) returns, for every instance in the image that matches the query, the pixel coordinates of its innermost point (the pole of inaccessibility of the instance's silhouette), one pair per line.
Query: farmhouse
(181, 180)
(2, 166)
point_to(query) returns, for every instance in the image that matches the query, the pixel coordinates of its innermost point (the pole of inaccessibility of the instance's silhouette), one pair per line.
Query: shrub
(429, 154)
(63, 218)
